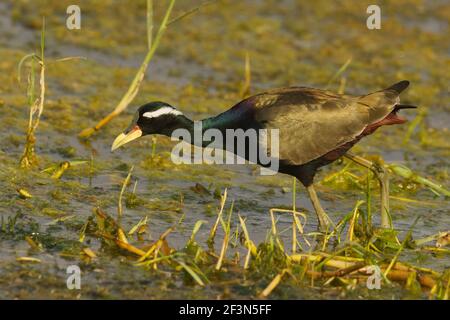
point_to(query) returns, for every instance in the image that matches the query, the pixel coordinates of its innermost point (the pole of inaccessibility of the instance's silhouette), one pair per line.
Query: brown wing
(314, 122)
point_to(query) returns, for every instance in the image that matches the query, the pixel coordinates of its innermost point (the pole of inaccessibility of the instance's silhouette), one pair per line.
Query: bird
(316, 127)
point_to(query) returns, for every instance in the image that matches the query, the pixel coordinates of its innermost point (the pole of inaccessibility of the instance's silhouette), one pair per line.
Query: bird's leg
(325, 222)
(383, 177)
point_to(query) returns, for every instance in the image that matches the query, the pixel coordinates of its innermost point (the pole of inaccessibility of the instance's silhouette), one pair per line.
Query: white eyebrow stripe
(161, 111)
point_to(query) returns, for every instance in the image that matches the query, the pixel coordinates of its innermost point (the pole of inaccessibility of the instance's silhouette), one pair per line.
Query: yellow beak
(122, 138)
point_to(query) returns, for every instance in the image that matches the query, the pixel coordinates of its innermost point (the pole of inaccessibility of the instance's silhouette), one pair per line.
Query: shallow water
(199, 69)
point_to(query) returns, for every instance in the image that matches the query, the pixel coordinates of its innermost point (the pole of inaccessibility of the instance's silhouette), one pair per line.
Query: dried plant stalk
(36, 104)
(124, 185)
(133, 89)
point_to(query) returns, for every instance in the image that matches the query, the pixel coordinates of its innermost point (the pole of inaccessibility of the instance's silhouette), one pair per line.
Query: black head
(151, 118)
(156, 118)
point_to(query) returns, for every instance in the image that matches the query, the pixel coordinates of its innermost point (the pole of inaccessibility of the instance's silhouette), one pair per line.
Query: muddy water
(199, 69)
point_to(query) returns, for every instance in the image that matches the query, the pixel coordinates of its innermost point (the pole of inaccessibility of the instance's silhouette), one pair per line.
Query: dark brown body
(316, 126)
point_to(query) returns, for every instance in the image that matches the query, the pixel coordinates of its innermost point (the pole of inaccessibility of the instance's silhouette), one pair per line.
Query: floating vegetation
(59, 169)
(408, 174)
(24, 194)
(350, 264)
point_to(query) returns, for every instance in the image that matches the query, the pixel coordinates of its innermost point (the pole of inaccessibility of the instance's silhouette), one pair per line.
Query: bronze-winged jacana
(316, 127)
